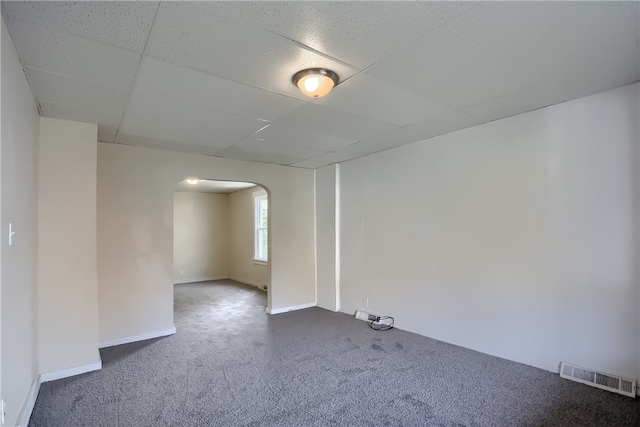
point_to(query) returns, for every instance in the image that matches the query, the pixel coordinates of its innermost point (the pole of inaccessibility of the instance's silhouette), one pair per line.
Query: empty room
(446, 217)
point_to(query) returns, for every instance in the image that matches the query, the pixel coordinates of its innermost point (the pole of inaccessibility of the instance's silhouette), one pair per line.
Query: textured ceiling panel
(303, 137)
(512, 103)
(253, 156)
(235, 51)
(562, 46)
(447, 68)
(162, 144)
(448, 122)
(107, 123)
(323, 119)
(260, 146)
(445, 11)
(77, 93)
(147, 116)
(337, 29)
(172, 83)
(58, 52)
(214, 78)
(123, 24)
(631, 11)
(372, 98)
(353, 151)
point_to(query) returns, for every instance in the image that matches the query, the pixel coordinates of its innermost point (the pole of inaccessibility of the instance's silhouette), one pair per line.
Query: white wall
(326, 186)
(517, 238)
(200, 237)
(242, 243)
(67, 271)
(135, 233)
(18, 195)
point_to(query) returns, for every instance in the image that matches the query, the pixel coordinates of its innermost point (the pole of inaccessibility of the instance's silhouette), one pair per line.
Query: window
(262, 224)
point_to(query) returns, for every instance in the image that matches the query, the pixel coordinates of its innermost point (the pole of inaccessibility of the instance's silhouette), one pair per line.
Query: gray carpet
(230, 364)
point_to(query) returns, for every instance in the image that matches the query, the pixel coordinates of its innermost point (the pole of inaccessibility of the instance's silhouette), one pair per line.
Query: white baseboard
(183, 279)
(29, 403)
(134, 338)
(64, 373)
(248, 282)
(293, 308)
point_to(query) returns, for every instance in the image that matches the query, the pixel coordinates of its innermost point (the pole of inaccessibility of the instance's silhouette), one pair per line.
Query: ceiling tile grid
(214, 78)
(564, 47)
(447, 69)
(161, 144)
(173, 83)
(337, 29)
(373, 98)
(194, 37)
(108, 123)
(44, 48)
(279, 132)
(124, 25)
(77, 93)
(148, 116)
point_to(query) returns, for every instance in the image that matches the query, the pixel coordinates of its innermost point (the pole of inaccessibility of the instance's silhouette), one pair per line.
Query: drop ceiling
(214, 78)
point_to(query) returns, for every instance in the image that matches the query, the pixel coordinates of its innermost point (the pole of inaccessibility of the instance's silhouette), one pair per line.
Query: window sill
(260, 262)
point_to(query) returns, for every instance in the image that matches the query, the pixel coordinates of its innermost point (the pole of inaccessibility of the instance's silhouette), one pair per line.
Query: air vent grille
(598, 379)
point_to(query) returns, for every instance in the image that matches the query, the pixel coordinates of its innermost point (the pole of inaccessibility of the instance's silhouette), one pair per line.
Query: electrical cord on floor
(382, 323)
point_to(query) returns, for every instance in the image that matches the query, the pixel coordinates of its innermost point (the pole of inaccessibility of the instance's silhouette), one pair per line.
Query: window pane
(263, 241)
(264, 211)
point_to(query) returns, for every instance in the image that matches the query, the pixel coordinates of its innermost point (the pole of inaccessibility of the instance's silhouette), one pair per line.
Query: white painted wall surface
(135, 233)
(517, 238)
(67, 260)
(19, 206)
(200, 237)
(242, 241)
(326, 236)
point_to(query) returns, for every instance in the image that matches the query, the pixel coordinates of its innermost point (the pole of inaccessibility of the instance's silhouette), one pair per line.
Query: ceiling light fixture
(192, 181)
(315, 82)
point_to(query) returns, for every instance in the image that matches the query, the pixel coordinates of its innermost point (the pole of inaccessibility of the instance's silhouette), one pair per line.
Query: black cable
(382, 326)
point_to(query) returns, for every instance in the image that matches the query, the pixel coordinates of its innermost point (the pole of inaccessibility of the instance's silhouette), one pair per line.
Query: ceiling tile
(445, 11)
(58, 52)
(193, 37)
(252, 156)
(395, 138)
(577, 48)
(324, 119)
(375, 99)
(76, 93)
(123, 24)
(447, 69)
(318, 161)
(259, 146)
(149, 116)
(298, 136)
(177, 84)
(631, 11)
(161, 144)
(448, 122)
(352, 151)
(510, 104)
(336, 28)
(107, 123)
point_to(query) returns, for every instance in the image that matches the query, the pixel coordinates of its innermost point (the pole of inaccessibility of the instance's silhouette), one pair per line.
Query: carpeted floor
(230, 364)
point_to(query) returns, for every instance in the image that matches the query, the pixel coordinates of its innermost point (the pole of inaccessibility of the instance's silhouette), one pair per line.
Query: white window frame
(257, 258)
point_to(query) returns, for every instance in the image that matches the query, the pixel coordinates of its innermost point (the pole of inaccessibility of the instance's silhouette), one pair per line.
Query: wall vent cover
(598, 379)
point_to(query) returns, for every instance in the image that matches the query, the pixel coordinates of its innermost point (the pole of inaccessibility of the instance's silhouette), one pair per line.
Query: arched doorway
(221, 237)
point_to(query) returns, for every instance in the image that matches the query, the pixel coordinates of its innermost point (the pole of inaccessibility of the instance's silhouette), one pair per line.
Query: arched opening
(221, 248)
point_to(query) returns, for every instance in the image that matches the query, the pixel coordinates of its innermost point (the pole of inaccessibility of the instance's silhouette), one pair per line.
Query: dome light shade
(315, 82)
(193, 181)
